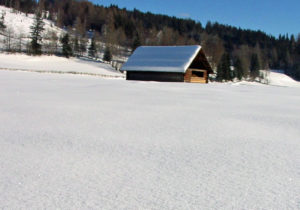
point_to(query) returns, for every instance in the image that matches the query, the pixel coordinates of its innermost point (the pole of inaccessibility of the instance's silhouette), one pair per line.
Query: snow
(82, 142)
(56, 65)
(162, 58)
(18, 26)
(280, 79)
(21, 23)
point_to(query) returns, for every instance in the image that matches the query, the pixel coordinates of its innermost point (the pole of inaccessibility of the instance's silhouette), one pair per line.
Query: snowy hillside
(74, 142)
(273, 78)
(21, 23)
(280, 79)
(18, 24)
(56, 64)
(18, 29)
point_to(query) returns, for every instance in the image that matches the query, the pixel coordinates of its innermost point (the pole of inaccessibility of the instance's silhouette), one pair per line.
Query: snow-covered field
(82, 142)
(56, 65)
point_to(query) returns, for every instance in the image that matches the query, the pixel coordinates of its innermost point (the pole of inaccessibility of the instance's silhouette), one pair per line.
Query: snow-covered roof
(162, 58)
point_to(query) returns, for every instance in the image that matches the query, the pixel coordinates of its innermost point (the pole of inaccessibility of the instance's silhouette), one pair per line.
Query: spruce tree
(36, 34)
(66, 49)
(223, 70)
(92, 48)
(76, 46)
(82, 46)
(226, 68)
(254, 66)
(238, 68)
(107, 54)
(220, 75)
(136, 42)
(2, 25)
(50, 16)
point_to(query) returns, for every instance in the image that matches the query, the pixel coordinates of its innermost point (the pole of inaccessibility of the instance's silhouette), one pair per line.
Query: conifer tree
(226, 68)
(82, 46)
(92, 48)
(66, 50)
(223, 70)
(2, 25)
(220, 75)
(107, 54)
(238, 68)
(50, 16)
(36, 34)
(136, 42)
(76, 45)
(254, 66)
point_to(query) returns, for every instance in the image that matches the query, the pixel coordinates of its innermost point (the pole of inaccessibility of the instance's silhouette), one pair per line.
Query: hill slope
(281, 79)
(56, 64)
(20, 22)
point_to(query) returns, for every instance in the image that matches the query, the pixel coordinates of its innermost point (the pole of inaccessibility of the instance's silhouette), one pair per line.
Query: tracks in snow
(65, 72)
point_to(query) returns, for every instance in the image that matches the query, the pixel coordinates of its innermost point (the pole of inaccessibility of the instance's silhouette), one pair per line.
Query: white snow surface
(56, 65)
(281, 79)
(161, 58)
(21, 23)
(81, 142)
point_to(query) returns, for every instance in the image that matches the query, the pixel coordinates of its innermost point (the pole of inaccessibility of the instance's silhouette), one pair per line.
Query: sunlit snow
(83, 142)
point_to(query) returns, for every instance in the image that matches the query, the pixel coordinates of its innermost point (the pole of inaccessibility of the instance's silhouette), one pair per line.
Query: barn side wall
(155, 76)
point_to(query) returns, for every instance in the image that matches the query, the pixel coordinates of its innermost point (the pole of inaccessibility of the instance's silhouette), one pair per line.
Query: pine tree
(238, 68)
(107, 54)
(2, 25)
(226, 68)
(50, 16)
(254, 66)
(92, 48)
(76, 46)
(136, 42)
(66, 50)
(220, 75)
(36, 34)
(223, 70)
(82, 46)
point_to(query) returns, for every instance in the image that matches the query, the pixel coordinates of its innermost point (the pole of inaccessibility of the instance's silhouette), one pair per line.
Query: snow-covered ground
(81, 142)
(56, 65)
(18, 25)
(20, 22)
(273, 78)
(280, 79)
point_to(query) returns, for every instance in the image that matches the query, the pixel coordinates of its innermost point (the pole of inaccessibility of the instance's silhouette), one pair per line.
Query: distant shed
(168, 63)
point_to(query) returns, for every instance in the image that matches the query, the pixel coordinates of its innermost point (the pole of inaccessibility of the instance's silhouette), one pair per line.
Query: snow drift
(280, 79)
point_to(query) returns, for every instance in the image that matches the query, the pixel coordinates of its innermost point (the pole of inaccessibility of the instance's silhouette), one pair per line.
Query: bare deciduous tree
(9, 33)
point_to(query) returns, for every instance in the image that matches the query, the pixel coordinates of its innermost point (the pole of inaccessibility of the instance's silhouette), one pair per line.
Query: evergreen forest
(246, 50)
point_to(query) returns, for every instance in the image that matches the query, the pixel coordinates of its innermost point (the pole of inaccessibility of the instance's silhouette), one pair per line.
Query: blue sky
(271, 16)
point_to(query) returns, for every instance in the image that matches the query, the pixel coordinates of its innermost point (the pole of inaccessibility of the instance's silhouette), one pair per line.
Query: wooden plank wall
(188, 77)
(155, 76)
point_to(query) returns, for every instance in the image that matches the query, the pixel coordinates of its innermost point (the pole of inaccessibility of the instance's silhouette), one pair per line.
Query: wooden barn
(168, 63)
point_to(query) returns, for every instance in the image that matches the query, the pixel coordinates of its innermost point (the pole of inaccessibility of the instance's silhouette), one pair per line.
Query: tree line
(116, 26)
(40, 42)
